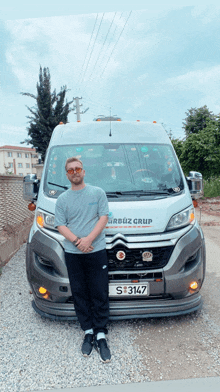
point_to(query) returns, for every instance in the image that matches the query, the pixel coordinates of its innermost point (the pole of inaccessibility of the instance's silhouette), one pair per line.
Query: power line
(93, 47)
(89, 45)
(105, 52)
(114, 33)
(97, 104)
(116, 43)
(101, 51)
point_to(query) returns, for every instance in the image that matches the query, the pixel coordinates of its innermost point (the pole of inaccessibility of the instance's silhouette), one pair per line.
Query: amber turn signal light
(193, 285)
(42, 290)
(191, 217)
(45, 294)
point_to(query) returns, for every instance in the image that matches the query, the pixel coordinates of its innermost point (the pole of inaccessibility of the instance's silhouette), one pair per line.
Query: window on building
(9, 154)
(26, 155)
(10, 164)
(27, 165)
(20, 174)
(19, 154)
(20, 165)
(32, 165)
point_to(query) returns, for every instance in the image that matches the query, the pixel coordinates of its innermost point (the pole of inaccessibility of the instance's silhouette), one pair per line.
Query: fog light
(45, 294)
(193, 285)
(42, 290)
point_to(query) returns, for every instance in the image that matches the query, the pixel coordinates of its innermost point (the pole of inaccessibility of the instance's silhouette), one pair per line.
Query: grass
(211, 187)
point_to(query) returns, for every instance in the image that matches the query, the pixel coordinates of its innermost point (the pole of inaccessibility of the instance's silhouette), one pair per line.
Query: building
(18, 160)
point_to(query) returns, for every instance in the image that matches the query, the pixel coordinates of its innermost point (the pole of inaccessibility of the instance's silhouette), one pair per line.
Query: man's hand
(84, 244)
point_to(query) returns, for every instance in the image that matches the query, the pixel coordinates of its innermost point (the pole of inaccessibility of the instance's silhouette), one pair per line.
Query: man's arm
(85, 243)
(67, 233)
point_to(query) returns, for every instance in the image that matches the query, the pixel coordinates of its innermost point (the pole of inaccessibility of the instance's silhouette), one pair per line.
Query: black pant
(88, 275)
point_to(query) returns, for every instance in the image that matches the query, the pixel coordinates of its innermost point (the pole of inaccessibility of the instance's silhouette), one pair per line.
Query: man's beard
(77, 180)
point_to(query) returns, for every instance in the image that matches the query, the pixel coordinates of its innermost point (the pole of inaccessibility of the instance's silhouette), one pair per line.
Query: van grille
(133, 259)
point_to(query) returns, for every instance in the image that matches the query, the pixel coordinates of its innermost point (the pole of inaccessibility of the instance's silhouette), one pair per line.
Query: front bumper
(123, 310)
(168, 297)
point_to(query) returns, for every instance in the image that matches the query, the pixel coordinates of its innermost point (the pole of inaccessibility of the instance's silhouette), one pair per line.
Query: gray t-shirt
(80, 211)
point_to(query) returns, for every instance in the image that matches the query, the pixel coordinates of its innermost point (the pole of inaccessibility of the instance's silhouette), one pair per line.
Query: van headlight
(183, 218)
(44, 219)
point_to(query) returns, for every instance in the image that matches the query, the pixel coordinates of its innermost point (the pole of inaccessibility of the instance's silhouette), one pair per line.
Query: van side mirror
(195, 184)
(30, 187)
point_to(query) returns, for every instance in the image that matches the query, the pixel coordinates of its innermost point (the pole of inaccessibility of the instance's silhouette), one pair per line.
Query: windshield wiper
(60, 186)
(114, 194)
(142, 192)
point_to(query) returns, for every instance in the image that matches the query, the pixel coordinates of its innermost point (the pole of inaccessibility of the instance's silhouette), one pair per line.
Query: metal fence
(13, 209)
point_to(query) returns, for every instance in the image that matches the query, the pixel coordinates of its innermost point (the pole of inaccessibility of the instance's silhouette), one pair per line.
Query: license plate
(128, 290)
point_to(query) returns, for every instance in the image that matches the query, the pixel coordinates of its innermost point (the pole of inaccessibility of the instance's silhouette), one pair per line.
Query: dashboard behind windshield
(116, 167)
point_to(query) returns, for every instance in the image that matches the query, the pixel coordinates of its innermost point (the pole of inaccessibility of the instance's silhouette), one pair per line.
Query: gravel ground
(40, 354)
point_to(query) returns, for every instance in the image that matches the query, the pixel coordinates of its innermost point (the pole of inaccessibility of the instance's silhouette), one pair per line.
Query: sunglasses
(77, 170)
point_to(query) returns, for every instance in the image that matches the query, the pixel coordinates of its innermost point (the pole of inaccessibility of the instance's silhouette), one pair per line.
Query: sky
(143, 62)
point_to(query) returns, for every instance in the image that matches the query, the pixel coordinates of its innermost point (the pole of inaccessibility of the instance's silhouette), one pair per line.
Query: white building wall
(18, 161)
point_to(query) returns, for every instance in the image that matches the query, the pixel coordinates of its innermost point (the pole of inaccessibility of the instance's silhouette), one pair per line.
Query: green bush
(212, 187)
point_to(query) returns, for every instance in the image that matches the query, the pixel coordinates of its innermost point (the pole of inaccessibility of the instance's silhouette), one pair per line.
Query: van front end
(167, 285)
(155, 246)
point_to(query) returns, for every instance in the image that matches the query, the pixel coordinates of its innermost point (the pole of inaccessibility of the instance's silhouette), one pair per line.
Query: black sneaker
(87, 345)
(103, 350)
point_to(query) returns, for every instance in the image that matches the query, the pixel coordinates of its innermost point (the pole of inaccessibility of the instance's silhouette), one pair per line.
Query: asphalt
(197, 384)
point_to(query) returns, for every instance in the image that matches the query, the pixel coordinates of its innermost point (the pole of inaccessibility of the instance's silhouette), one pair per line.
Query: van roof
(98, 132)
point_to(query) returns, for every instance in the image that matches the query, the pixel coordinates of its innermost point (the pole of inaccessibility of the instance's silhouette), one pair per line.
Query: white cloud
(199, 87)
(12, 135)
(61, 43)
(199, 79)
(206, 13)
(204, 81)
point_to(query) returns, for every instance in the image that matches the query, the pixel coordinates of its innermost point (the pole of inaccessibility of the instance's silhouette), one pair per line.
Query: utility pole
(77, 107)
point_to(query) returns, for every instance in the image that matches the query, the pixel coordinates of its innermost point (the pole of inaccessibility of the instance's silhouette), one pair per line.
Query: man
(81, 215)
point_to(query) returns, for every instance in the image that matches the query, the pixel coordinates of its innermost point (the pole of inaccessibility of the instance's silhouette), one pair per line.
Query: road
(38, 354)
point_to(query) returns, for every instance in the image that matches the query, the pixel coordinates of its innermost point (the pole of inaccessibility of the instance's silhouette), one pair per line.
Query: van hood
(151, 216)
(145, 216)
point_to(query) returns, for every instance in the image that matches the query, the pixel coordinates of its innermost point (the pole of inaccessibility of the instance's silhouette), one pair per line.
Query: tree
(196, 120)
(201, 151)
(178, 146)
(51, 109)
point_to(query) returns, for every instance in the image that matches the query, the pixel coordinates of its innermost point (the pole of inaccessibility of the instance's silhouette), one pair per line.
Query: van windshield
(116, 167)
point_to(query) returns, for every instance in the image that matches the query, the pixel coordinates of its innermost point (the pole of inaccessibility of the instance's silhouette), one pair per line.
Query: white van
(155, 246)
